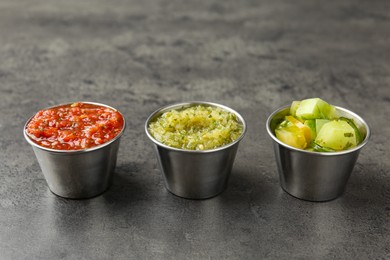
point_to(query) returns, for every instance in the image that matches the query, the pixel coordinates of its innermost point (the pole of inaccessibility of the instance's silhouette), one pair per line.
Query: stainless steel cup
(195, 174)
(78, 174)
(315, 176)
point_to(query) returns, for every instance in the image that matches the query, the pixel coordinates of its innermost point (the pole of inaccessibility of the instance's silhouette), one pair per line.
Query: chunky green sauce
(196, 128)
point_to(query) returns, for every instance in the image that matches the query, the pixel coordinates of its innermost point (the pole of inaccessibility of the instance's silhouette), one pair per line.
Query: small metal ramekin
(195, 174)
(315, 176)
(78, 174)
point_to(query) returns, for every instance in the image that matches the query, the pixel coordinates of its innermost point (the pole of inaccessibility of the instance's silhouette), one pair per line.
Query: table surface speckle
(137, 56)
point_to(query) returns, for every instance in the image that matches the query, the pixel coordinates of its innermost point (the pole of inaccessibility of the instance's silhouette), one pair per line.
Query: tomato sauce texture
(75, 126)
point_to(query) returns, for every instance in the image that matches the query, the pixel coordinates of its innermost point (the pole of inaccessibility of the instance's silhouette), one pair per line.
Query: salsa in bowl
(196, 145)
(195, 126)
(74, 126)
(76, 146)
(315, 161)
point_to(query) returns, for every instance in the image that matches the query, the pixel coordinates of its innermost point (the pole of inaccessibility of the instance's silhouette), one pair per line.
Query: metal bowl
(314, 176)
(195, 174)
(78, 174)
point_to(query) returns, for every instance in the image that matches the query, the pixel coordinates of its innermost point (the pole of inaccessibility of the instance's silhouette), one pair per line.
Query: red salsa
(74, 126)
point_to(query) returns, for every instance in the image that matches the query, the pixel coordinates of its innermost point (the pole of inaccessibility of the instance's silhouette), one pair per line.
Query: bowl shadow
(132, 182)
(368, 187)
(247, 186)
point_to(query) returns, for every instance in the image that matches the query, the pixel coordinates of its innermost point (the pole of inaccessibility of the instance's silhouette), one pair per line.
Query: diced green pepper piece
(311, 123)
(315, 108)
(337, 135)
(294, 107)
(358, 135)
(320, 123)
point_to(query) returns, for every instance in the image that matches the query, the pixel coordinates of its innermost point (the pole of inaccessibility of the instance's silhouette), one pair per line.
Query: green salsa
(196, 128)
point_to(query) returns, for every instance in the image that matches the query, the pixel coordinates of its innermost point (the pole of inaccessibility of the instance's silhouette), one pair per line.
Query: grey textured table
(137, 56)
